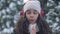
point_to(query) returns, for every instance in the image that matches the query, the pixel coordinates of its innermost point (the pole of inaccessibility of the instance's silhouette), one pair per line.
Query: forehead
(32, 10)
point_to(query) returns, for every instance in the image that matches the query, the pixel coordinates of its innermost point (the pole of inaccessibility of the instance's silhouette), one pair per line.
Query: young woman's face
(32, 15)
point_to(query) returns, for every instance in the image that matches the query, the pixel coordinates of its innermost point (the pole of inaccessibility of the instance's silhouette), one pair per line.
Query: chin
(32, 22)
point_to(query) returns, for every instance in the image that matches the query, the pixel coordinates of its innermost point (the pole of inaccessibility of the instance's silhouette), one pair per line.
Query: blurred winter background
(10, 12)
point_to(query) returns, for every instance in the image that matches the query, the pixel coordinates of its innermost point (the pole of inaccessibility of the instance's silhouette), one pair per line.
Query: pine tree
(9, 10)
(52, 14)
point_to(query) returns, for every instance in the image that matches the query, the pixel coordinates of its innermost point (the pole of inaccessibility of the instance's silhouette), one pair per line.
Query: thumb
(33, 28)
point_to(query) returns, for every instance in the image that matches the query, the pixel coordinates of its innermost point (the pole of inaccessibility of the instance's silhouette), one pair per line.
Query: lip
(31, 19)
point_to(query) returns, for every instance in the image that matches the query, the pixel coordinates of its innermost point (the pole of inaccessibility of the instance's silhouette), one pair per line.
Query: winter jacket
(14, 32)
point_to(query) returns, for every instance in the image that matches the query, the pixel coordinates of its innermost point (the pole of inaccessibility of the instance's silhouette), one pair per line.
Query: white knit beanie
(32, 4)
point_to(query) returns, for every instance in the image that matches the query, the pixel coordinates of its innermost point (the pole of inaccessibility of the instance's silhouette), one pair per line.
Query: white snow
(12, 6)
(19, 3)
(8, 10)
(8, 24)
(57, 19)
(16, 17)
(0, 13)
(3, 16)
(6, 30)
(4, 11)
(54, 25)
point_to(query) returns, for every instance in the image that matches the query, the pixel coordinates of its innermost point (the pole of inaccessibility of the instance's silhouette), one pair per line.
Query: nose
(31, 15)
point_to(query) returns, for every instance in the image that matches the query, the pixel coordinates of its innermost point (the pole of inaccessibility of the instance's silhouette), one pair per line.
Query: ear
(22, 12)
(42, 13)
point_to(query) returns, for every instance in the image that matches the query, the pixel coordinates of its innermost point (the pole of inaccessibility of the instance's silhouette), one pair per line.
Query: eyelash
(35, 12)
(30, 13)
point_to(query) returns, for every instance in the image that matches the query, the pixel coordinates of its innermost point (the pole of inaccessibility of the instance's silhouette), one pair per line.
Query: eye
(35, 12)
(28, 12)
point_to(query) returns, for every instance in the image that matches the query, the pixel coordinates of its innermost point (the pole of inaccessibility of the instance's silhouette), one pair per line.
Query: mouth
(31, 20)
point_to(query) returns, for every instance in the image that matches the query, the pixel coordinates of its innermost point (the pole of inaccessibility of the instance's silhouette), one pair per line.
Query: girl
(31, 22)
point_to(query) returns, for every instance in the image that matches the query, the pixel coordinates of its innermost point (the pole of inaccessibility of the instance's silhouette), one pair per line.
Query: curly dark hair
(23, 24)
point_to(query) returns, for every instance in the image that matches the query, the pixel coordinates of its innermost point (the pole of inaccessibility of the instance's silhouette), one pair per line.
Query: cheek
(35, 17)
(27, 16)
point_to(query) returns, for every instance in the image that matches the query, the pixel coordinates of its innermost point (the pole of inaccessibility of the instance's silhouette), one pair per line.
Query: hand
(33, 31)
